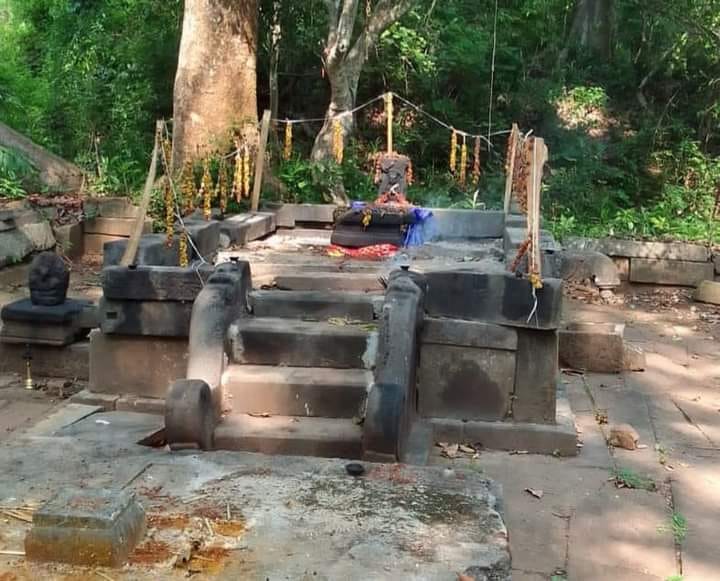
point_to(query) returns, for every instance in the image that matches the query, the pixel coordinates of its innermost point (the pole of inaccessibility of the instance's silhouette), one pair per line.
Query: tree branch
(383, 15)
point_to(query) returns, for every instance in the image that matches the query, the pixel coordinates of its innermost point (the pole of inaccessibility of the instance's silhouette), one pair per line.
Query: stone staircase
(300, 367)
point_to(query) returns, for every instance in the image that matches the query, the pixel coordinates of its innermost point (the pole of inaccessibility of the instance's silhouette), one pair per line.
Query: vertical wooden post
(539, 158)
(260, 161)
(128, 256)
(389, 115)
(512, 150)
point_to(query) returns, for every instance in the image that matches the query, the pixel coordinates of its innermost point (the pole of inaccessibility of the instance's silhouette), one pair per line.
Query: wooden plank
(260, 162)
(132, 247)
(514, 138)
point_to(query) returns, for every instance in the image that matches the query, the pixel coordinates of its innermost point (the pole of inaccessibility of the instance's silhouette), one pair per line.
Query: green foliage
(15, 172)
(677, 526)
(627, 478)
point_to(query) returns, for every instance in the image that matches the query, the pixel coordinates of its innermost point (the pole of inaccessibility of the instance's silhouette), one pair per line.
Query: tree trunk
(216, 84)
(591, 28)
(275, 38)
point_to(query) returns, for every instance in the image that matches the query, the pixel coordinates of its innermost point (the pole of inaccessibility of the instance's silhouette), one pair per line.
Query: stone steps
(294, 343)
(294, 436)
(313, 305)
(296, 391)
(329, 281)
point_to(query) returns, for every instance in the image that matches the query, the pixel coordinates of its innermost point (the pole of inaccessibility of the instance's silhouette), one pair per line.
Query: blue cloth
(420, 231)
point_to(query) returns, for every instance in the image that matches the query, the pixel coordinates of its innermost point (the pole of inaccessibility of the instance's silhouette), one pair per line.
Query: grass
(678, 527)
(627, 478)
(675, 578)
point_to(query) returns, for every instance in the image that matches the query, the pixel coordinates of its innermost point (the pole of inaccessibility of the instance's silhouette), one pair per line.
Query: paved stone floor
(583, 527)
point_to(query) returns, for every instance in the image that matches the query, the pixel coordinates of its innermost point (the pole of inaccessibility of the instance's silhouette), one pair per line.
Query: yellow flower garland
(453, 151)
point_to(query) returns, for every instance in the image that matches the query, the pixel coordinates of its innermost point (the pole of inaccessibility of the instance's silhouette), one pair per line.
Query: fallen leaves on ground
(535, 492)
(456, 450)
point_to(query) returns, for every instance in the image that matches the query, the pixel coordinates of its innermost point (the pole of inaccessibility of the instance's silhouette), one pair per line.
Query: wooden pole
(389, 115)
(514, 134)
(131, 249)
(260, 161)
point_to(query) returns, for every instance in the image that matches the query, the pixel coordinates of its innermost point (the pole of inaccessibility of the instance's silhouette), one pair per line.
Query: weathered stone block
(670, 272)
(513, 238)
(38, 334)
(24, 310)
(106, 401)
(69, 238)
(597, 347)
(465, 383)
(536, 376)
(40, 235)
(95, 528)
(94, 244)
(319, 305)
(708, 292)
(115, 226)
(244, 228)
(152, 250)
(622, 265)
(467, 224)
(71, 362)
(468, 334)
(205, 236)
(500, 298)
(289, 214)
(716, 262)
(137, 365)
(14, 247)
(328, 281)
(588, 265)
(640, 249)
(154, 283)
(111, 207)
(142, 405)
(158, 318)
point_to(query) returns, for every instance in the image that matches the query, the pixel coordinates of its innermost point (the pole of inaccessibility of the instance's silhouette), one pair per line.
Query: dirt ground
(578, 518)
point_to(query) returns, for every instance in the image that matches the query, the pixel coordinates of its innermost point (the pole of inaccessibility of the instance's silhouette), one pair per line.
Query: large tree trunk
(344, 56)
(216, 84)
(591, 28)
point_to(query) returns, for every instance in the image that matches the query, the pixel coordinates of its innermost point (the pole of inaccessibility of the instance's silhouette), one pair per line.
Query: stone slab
(14, 247)
(24, 311)
(244, 228)
(318, 305)
(143, 366)
(358, 236)
(205, 235)
(708, 292)
(296, 391)
(590, 266)
(559, 437)
(115, 226)
(465, 383)
(513, 238)
(40, 235)
(597, 347)
(493, 298)
(639, 249)
(69, 239)
(105, 401)
(468, 334)
(328, 281)
(70, 362)
(94, 244)
(535, 393)
(467, 224)
(110, 207)
(157, 318)
(716, 262)
(622, 265)
(38, 334)
(154, 283)
(670, 272)
(83, 527)
(287, 342)
(152, 250)
(290, 214)
(142, 405)
(67, 415)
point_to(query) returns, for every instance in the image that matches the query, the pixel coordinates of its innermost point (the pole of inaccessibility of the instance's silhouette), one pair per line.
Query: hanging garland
(183, 249)
(169, 212)
(206, 189)
(222, 185)
(246, 171)
(476, 162)
(453, 151)
(287, 149)
(338, 146)
(462, 178)
(187, 188)
(237, 175)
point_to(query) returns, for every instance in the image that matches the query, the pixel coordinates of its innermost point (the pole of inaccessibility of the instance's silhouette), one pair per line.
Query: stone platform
(271, 517)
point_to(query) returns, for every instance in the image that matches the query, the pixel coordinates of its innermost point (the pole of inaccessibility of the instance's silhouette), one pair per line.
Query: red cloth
(375, 252)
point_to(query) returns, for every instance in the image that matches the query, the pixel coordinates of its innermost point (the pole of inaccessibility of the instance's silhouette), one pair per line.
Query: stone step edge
(111, 402)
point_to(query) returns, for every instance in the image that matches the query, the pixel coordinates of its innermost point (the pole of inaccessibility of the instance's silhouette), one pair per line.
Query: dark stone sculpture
(48, 280)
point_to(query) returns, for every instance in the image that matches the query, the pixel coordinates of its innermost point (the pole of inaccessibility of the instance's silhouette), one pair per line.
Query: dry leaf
(534, 492)
(518, 452)
(259, 414)
(451, 451)
(467, 449)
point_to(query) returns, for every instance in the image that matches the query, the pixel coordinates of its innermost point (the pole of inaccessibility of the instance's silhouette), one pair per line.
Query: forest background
(629, 105)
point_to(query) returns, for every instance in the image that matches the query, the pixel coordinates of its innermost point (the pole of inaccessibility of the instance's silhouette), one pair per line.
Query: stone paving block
(69, 238)
(536, 376)
(467, 224)
(465, 383)
(468, 334)
(157, 318)
(670, 272)
(142, 405)
(115, 226)
(708, 292)
(106, 401)
(596, 347)
(16, 415)
(500, 298)
(143, 366)
(94, 528)
(155, 283)
(328, 281)
(64, 416)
